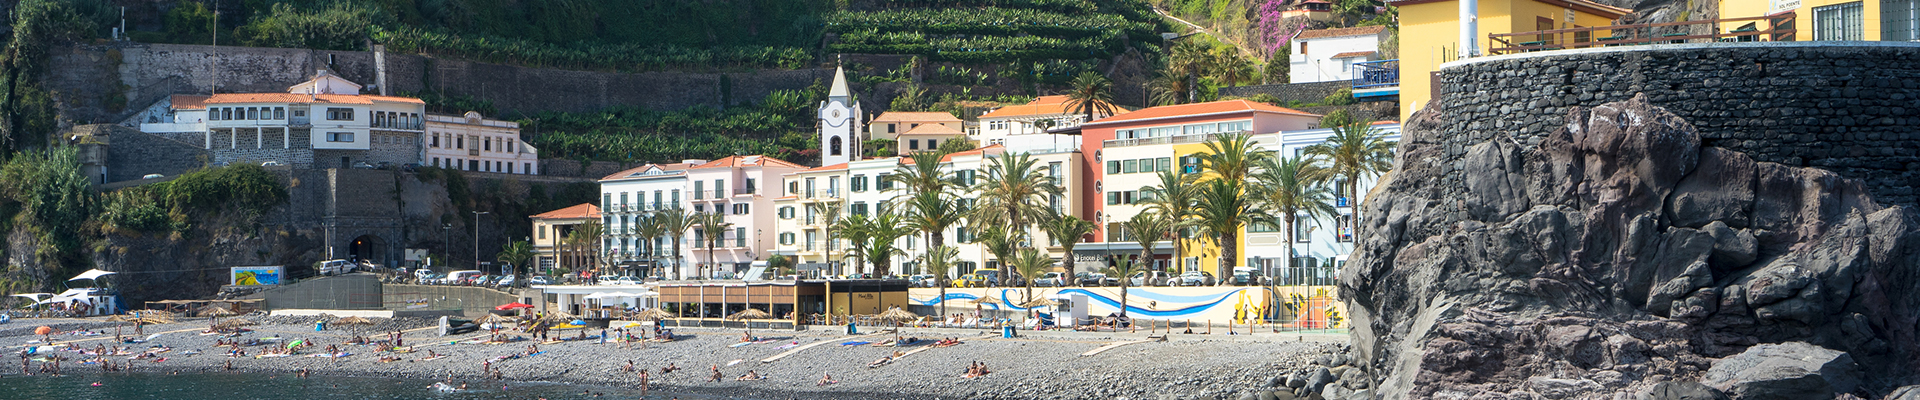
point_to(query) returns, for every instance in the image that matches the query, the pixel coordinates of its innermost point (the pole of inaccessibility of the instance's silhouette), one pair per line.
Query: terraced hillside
(992, 32)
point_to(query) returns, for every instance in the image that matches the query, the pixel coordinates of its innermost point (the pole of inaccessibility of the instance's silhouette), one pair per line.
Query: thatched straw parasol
(1036, 303)
(356, 320)
(653, 314)
(214, 311)
(750, 313)
(988, 300)
(897, 316)
(496, 319)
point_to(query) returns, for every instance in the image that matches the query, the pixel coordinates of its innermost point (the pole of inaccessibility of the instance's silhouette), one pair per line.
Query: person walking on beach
(643, 381)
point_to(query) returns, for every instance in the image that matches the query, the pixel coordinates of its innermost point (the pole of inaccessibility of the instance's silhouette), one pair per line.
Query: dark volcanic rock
(1680, 391)
(1786, 371)
(1615, 254)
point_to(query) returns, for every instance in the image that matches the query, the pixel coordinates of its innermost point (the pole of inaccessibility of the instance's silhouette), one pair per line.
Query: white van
(333, 267)
(456, 276)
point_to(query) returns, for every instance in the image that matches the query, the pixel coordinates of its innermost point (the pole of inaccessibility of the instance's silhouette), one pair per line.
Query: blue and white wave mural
(1235, 303)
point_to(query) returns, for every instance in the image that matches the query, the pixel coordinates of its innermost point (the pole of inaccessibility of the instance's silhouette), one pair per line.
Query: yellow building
(550, 230)
(1836, 19)
(1430, 34)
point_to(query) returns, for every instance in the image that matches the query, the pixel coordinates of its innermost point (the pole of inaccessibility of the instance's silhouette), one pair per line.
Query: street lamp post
(476, 239)
(446, 246)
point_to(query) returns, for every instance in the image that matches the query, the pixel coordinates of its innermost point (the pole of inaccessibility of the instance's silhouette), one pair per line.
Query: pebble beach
(1035, 364)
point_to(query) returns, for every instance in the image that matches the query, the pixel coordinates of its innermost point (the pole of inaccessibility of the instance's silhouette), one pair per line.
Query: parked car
(1051, 279)
(1195, 278)
(539, 280)
(460, 277)
(432, 278)
(1095, 279)
(970, 281)
(333, 267)
(626, 280)
(1245, 276)
(272, 164)
(152, 176)
(922, 280)
(1150, 278)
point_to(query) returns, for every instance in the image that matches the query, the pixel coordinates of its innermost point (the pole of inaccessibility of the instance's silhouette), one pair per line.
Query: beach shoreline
(1038, 364)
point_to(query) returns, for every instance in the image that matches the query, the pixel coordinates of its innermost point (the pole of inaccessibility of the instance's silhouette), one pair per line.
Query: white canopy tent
(92, 274)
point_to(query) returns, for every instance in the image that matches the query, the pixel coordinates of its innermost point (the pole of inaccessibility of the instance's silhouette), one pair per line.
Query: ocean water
(239, 386)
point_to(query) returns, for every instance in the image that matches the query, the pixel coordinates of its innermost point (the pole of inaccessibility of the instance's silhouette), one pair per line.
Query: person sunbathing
(669, 368)
(826, 380)
(716, 374)
(750, 376)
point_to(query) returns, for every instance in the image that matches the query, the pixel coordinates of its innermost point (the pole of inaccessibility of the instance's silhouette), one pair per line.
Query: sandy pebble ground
(1037, 364)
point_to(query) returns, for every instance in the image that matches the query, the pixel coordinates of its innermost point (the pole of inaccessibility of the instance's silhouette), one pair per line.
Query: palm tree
(1013, 194)
(1224, 207)
(591, 236)
(1231, 156)
(1031, 262)
(1285, 189)
(923, 175)
(1002, 244)
(1233, 68)
(676, 222)
(650, 229)
(829, 213)
(932, 213)
(883, 232)
(1090, 93)
(939, 262)
(716, 226)
(1173, 200)
(1354, 151)
(1189, 60)
(1068, 230)
(516, 254)
(1145, 228)
(855, 229)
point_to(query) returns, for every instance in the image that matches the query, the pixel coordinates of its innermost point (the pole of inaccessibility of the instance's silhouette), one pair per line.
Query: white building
(1316, 241)
(472, 143)
(739, 187)
(1025, 126)
(1329, 54)
(322, 123)
(630, 194)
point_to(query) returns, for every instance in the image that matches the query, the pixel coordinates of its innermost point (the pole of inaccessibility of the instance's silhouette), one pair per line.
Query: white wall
(1315, 64)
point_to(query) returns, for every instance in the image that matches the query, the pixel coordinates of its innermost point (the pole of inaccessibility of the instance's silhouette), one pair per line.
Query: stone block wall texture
(1848, 107)
(147, 72)
(132, 154)
(1302, 92)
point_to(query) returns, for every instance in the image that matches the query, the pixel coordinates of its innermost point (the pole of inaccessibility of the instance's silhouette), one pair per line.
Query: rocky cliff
(1620, 258)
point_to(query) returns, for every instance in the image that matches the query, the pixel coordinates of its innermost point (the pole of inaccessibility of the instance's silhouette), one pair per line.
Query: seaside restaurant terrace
(1777, 27)
(782, 304)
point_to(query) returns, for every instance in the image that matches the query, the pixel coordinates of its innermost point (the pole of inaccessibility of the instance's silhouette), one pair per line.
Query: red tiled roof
(748, 161)
(825, 168)
(578, 211)
(982, 150)
(906, 116)
(188, 102)
(1043, 105)
(1338, 32)
(1354, 54)
(1216, 107)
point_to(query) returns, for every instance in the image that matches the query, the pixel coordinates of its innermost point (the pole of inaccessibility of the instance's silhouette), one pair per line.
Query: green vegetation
(581, 34)
(45, 194)
(172, 206)
(997, 32)
(27, 111)
(781, 125)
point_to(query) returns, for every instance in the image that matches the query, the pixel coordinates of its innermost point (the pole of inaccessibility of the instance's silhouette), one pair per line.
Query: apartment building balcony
(821, 196)
(1174, 139)
(1376, 79)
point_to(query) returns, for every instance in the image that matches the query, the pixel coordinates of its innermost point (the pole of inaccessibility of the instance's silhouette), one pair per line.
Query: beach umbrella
(46, 332)
(214, 312)
(750, 313)
(496, 319)
(354, 321)
(897, 316)
(1036, 303)
(296, 343)
(513, 306)
(989, 300)
(653, 314)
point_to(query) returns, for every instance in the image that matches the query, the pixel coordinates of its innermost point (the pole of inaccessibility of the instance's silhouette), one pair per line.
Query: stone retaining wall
(1852, 108)
(1303, 92)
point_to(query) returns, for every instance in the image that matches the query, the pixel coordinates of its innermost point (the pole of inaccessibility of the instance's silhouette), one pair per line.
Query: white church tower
(839, 123)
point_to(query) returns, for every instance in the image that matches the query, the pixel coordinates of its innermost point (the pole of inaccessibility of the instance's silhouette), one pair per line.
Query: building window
(1838, 22)
(749, 188)
(739, 237)
(339, 114)
(786, 238)
(460, 142)
(835, 148)
(1899, 20)
(913, 144)
(1113, 167)
(279, 113)
(882, 182)
(933, 144)
(226, 114)
(858, 183)
(741, 208)
(436, 162)
(340, 136)
(890, 128)
(487, 145)
(786, 212)
(299, 113)
(858, 209)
